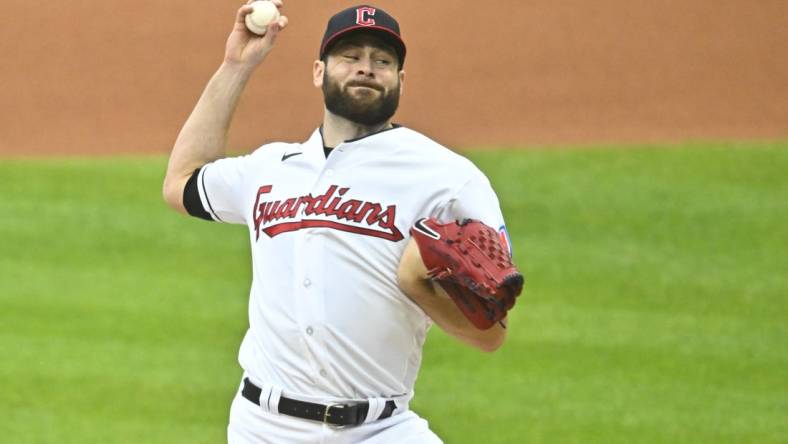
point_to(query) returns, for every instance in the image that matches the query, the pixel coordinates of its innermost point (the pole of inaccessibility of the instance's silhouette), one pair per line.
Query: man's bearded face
(361, 101)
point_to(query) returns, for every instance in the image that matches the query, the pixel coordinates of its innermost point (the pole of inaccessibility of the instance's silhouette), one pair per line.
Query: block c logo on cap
(364, 16)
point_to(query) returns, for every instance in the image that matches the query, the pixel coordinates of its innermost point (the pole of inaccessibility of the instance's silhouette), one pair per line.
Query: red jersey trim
(287, 227)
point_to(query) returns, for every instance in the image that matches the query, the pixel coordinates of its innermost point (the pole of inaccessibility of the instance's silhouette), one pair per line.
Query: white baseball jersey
(327, 319)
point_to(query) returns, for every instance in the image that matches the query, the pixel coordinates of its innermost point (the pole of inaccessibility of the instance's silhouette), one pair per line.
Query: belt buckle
(327, 414)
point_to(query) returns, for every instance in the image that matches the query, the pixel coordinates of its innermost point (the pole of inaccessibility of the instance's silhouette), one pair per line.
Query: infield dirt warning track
(121, 77)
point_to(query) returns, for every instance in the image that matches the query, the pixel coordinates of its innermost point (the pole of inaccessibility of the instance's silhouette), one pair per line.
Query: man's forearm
(412, 277)
(203, 137)
(442, 310)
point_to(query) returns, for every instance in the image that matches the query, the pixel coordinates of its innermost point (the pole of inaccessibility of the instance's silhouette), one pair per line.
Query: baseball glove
(468, 260)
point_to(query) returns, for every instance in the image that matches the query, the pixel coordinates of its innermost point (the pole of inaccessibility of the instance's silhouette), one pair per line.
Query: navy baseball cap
(363, 18)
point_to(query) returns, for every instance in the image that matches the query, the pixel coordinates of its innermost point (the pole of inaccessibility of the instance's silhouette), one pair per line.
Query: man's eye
(351, 57)
(384, 62)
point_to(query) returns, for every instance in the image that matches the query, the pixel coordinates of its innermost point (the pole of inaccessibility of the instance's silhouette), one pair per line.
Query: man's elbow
(491, 341)
(172, 193)
(491, 346)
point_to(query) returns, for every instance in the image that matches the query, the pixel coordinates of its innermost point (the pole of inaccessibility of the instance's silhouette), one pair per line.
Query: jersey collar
(320, 131)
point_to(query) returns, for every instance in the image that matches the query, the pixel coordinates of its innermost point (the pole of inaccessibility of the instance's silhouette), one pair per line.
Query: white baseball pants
(251, 424)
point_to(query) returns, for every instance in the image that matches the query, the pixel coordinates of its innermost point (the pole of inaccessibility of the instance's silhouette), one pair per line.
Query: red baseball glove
(468, 260)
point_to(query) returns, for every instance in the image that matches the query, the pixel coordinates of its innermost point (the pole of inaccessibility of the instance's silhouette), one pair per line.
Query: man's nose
(364, 67)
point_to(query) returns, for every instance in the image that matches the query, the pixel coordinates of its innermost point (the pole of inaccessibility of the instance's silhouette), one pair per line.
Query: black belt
(334, 414)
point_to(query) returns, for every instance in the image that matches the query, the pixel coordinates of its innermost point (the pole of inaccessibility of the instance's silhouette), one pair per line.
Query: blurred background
(89, 76)
(639, 150)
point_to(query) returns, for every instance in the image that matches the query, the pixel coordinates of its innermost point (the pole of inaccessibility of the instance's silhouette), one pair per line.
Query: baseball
(262, 15)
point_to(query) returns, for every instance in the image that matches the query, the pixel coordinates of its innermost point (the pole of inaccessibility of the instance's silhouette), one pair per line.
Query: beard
(368, 109)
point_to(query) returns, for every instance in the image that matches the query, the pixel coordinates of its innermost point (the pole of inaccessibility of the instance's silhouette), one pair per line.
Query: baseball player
(341, 299)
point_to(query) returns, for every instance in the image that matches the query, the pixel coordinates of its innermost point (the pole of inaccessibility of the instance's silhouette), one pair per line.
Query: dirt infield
(121, 77)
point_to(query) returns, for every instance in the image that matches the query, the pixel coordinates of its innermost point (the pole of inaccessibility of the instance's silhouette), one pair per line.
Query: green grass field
(655, 309)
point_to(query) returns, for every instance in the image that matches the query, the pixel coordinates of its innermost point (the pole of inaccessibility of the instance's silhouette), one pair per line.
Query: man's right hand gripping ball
(469, 262)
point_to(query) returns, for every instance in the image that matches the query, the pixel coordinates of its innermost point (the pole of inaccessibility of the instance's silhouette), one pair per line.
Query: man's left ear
(401, 82)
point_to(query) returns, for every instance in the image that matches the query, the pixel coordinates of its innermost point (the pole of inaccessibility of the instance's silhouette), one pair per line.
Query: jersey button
(309, 331)
(307, 283)
(329, 173)
(323, 372)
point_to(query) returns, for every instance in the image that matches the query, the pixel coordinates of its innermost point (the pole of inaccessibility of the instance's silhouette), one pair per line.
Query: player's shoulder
(432, 152)
(261, 159)
(262, 156)
(272, 150)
